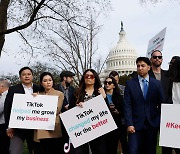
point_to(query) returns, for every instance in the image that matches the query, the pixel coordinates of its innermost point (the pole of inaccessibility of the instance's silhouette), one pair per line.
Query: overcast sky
(141, 23)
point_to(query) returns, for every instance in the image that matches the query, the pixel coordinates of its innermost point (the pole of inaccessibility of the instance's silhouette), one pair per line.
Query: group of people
(135, 108)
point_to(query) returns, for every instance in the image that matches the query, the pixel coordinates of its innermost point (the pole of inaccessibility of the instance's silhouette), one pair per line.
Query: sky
(141, 23)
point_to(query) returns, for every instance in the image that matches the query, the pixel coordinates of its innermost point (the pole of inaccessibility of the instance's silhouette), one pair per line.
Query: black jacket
(8, 104)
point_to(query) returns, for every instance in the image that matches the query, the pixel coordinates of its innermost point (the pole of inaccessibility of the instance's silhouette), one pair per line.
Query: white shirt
(2, 99)
(28, 90)
(176, 93)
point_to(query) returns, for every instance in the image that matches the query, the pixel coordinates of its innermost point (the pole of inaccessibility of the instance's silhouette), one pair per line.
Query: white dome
(122, 58)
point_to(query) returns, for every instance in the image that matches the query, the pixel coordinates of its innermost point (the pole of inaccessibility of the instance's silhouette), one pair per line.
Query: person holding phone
(114, 101)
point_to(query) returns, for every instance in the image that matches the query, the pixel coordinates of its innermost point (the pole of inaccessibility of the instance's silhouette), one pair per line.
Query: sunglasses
(87, 76)
(155, 57)
(108, 82)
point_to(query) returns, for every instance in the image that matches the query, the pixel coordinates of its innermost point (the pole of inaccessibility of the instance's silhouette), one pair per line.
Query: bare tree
(35, 14)
(73, 47)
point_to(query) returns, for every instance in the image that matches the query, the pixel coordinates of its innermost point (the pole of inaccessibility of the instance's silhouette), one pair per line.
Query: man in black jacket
(19, 135)
(158, 73)
(66, 78)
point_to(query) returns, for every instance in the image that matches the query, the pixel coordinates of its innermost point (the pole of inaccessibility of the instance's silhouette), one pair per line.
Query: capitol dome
(122, 58)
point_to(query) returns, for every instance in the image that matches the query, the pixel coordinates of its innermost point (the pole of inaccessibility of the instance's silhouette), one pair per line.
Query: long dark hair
(41, 78)
(80, 93)
(174, 70)
(116, 90)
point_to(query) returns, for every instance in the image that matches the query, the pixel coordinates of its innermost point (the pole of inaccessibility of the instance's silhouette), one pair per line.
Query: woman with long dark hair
(114, 101)
(89, 87)
(174, 91)
(49, 141)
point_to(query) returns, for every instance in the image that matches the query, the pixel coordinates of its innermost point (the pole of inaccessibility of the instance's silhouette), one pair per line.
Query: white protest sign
(170, 126)
(87, 123)
(30, 112)
(156, 43)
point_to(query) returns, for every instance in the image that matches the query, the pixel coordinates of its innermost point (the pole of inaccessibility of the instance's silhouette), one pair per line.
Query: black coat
(165, 82)
(8, 104)
(71, 97)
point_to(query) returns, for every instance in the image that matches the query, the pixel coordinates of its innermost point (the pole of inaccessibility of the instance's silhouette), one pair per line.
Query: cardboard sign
(30, 112)
(170, 126)
(87, 123)
(156, 43)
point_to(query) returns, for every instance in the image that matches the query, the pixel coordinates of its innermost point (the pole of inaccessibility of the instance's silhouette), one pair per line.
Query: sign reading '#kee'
(87, 123)
(170, 125)
(30, 112)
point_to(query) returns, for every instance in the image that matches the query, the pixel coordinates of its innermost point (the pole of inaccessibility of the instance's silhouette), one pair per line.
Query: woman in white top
(174, 90)
(174, 73)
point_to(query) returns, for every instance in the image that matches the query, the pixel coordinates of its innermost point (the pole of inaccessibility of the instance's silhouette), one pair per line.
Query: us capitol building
(121, 58)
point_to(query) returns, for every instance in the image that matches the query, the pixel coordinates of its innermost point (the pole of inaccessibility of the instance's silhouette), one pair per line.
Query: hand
(102, 92)
(115, 111)
(131, 129)
(66, 106)
(10, 132)
(34, 94)
(80, 104)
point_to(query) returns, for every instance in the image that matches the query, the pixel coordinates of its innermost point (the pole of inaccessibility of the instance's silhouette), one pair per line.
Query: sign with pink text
(88, 123)
(33, 112)
(170, 125)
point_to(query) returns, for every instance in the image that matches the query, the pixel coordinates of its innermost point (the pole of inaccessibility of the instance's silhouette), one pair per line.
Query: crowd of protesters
(135, 108)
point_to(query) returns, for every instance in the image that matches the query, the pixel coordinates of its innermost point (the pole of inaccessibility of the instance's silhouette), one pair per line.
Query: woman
(114, 102)
(49, 142)
(174, 90)
(174, 74)
(89, 87)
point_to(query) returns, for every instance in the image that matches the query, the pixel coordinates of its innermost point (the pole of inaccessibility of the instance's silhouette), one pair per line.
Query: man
(4, 139)
(158, 73)
(142, 100)
(66, 78)
(19, 135)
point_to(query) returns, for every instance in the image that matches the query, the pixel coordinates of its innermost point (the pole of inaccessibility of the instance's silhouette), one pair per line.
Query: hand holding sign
(89, 122)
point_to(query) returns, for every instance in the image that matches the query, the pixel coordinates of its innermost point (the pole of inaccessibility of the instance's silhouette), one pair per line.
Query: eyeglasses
(108, 82)
(87, 76)
(155, 57)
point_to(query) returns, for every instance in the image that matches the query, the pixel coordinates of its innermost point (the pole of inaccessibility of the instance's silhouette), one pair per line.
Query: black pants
(168, 150)
(65, 139)
(4, 140)
(97, 146)
(112, 139)
(123, 138)
(49, 146)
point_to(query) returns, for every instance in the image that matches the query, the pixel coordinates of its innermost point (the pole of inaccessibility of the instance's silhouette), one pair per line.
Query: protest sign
(87, 123)
(156, 43)
(30, 112)
(170, 126)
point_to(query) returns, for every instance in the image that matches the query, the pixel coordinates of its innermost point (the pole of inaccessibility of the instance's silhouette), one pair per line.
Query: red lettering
(172, 125)
(100, 123)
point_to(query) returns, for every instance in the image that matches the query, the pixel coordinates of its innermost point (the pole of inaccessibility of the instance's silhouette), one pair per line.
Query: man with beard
(162, 75)
(66, 78)
(157, 72)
